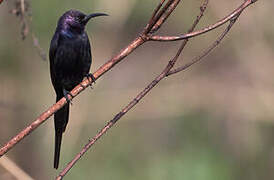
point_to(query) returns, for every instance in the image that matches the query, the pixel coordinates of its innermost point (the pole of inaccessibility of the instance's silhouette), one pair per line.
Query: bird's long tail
(60, 120)
(58, 140)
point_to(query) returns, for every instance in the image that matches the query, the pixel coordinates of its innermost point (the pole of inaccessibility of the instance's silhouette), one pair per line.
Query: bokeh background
(213, 121)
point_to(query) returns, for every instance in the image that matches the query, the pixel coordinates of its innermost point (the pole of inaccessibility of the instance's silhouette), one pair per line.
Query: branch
(208, 28)
(77, 90)
(22, 10)
(14, 169)
(158, 18)
(206, 52)
(153, 18)
(134, 101)
(166, 14)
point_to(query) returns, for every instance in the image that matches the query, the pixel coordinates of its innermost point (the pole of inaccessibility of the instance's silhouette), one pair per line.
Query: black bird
(70, 60)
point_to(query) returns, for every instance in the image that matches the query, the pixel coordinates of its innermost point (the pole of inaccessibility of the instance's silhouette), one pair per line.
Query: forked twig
(160, 14)
(207, 51)
(134, 101)
(206, 29)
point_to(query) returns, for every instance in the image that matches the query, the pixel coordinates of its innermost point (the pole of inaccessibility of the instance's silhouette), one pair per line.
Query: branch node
(144, 37)
(136, 100)
(117, 117)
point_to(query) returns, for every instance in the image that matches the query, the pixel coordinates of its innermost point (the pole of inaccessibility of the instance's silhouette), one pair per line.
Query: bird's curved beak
(88, 17)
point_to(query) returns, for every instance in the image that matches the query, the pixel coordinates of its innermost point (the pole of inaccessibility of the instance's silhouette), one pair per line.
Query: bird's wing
(87, 58)
(53, 46)
(52, 53)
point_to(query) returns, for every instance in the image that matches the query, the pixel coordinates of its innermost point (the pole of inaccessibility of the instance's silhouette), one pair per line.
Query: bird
(70, 61)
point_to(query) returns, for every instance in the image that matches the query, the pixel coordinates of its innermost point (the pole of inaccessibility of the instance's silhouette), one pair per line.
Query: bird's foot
(66, 93)
(90, 76)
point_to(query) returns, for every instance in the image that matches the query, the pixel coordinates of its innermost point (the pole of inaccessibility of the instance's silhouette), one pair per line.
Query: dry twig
(207, 51)
(14, 169)
(158, 18)
(23, 11)
(206, 29)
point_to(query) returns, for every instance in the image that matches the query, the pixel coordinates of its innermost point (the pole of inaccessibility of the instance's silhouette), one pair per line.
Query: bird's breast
(73, 59)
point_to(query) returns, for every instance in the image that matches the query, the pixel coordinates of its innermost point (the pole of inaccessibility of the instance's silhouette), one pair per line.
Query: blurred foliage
(214, 121)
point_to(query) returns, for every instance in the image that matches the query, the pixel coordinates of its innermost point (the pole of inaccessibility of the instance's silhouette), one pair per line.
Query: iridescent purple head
(75, 20)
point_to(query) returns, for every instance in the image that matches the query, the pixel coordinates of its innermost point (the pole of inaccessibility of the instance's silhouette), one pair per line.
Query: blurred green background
(213, 121)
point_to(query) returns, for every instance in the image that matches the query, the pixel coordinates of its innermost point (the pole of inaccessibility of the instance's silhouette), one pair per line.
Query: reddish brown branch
(159, 15)
(155, 23)
(78, 89)
(166, 14)
(159, 18)
(208, 28)
(153, 18)
(142, 94)
(207, 51)
(134, 101)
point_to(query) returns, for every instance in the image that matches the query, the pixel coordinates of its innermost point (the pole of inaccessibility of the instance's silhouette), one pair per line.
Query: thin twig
(208, 28)
(163, 17)
(133, 102)
(23, 11)
(23, 7)
(25, 28)
(39, 49)
(158, 16)
(85, 83)
(208, 50)
(153, 17)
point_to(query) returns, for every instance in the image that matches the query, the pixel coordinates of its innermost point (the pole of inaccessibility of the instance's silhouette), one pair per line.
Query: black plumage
(70, 60)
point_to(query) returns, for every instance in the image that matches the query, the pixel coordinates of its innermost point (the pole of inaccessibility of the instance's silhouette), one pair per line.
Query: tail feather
(58, 140)
(60, 120)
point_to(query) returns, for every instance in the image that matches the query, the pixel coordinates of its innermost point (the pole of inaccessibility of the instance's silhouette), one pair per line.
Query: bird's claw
(88, 76)
(65, 92)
